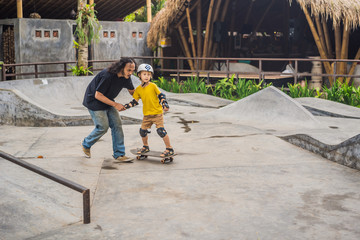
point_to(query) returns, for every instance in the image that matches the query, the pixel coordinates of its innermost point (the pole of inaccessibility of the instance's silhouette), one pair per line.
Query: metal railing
(197, 60)
(70, 184)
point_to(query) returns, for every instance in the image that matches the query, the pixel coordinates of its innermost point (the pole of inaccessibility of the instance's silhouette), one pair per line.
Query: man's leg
(116, 133)
(101, 122)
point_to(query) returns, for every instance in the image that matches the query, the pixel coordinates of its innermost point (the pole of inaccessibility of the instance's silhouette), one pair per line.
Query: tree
(87, 29)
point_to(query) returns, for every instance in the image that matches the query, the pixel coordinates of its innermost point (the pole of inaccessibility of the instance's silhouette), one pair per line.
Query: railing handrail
(70, 184)
(296, 74)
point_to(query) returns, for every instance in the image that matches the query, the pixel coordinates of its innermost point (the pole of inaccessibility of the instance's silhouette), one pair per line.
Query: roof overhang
(107, 10)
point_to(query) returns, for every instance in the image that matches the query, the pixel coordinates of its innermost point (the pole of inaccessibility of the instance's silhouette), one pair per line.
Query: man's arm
(131, 92)
(118, 106)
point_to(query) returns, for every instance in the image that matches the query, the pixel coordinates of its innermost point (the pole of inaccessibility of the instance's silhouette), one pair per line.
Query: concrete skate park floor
(230, 180)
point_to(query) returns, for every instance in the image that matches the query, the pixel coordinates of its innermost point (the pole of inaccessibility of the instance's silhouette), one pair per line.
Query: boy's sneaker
(168, 152)
(124, 159)
(86, 151)
(144, 149)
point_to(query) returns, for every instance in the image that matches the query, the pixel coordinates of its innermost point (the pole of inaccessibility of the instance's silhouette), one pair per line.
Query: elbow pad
(133, 103)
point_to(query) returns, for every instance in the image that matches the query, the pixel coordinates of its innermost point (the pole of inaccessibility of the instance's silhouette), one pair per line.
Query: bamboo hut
(260, 28)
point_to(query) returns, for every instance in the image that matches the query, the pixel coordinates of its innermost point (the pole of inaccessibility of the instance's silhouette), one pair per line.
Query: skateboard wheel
(138, 157)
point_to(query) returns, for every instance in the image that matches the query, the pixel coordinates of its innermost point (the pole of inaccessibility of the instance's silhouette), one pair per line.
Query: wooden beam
(198, 32)
(19, 7)
(191, 32)
(327, 38)
(263, 16)
(186, 47)
(352, 69)
(318, 44)
(207, 33)
(148, 7)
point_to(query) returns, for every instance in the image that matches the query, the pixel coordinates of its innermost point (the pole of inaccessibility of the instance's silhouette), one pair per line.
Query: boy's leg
(101, 122)
(145, 125)
(163, 134)
(116, 133)
(166, 140)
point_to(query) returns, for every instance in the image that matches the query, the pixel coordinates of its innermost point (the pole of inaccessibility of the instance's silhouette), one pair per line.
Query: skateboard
(156, 154)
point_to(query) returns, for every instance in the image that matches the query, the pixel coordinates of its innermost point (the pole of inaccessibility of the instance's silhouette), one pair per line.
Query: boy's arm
(163, 102)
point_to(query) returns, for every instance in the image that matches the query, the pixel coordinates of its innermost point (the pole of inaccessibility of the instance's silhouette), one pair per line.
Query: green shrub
(80, 71)
(297, 91)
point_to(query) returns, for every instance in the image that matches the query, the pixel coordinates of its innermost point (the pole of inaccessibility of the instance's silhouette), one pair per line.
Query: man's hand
(119, 107)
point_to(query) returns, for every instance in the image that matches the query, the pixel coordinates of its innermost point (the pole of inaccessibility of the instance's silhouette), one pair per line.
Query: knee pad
(162, 132)
(143, 133)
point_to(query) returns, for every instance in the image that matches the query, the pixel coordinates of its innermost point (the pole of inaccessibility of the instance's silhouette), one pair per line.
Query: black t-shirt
(109, 85)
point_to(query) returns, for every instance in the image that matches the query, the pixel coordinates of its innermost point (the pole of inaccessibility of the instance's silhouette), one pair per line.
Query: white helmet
(145, 67)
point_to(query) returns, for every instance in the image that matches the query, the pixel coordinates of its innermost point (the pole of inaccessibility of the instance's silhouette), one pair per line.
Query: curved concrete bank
(50, 102)
(346, 153)
(268, 108)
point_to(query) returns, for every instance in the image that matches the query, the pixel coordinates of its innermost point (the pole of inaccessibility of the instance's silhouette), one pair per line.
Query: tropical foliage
(87, 29)
(339, 92)
(228, 88)
(140, 15)
(233, 89)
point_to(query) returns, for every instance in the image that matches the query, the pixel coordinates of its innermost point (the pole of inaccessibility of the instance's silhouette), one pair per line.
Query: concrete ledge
(346, 153)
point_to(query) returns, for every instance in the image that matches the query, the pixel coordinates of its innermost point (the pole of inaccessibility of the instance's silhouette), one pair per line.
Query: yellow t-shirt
(149, 98)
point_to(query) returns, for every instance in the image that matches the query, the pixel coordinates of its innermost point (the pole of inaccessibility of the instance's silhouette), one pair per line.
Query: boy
(151, 98)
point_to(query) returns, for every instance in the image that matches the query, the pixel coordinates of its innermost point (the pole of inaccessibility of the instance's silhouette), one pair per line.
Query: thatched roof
(340, 11)
(162, 21)
(346, 11)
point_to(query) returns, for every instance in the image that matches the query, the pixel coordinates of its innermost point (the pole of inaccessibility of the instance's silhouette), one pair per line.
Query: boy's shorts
(149, 120)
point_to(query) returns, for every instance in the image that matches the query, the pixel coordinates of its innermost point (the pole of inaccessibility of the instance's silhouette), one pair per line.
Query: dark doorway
(8, 49)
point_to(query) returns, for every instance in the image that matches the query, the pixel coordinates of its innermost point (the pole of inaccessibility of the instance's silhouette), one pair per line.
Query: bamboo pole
(148, 7)
(198, 31)
(327, 38)
(352, 69)
(19, 7)
(338, 46)
(215, 17)
(318, 44)
(191, 32)
(344, 48)
(195, 5)
(207, 33)
(222, 19)
(186, 47)
(321, 35)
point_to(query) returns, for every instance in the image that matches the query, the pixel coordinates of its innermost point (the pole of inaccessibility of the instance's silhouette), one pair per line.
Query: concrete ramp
(268, 108)
(50, 102)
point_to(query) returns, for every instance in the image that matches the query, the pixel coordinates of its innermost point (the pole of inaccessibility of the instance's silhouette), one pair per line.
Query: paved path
(229, 181)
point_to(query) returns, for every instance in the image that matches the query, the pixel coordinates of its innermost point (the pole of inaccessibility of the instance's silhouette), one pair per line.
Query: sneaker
(86, 151)
(124, 159)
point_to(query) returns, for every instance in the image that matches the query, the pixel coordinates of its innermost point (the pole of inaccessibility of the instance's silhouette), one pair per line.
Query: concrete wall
(30, 48)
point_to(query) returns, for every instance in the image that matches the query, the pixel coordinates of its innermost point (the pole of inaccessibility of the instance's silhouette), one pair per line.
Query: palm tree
(87, 29)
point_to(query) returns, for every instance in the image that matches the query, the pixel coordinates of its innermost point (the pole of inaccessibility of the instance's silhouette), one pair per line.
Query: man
(99, 99)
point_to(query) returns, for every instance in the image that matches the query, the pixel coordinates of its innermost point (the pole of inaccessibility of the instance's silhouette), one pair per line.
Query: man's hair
(120, 65)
